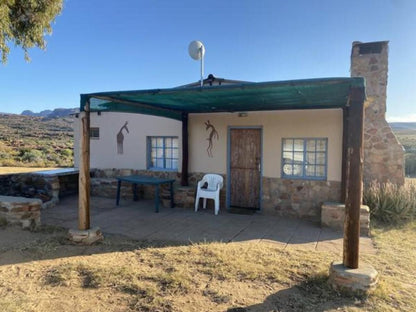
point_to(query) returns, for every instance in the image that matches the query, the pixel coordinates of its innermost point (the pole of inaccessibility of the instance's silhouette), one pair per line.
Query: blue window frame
(162, 152)
(305, 158)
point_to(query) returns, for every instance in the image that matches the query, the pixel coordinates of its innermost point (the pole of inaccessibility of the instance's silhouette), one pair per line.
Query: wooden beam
(185, 158)
(354, 178)
(345, 112)
(84, 170)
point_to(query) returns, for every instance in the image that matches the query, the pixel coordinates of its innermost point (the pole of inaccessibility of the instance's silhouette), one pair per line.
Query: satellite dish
(196, 50)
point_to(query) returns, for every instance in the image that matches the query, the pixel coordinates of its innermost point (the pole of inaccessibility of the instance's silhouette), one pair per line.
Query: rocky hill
(36, 141)
(57, 112)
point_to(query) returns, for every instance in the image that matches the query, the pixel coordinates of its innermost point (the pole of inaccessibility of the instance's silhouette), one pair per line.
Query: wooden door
(245, 168)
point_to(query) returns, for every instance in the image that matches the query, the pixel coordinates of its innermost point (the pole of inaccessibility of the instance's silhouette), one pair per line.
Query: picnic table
(139, 179)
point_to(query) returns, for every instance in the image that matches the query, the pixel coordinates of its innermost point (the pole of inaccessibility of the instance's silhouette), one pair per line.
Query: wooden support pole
(184, 176)
(84, 170)
(345, 112)
(354, 178)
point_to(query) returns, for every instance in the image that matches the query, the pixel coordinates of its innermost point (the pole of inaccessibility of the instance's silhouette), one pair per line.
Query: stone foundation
(299, 198)
(361, 280)
(20, 210)
(333, 214)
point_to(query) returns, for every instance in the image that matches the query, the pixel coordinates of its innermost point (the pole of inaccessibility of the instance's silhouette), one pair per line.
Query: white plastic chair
(212, 191)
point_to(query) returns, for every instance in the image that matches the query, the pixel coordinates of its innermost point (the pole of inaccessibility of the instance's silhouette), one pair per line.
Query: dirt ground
(43, 271)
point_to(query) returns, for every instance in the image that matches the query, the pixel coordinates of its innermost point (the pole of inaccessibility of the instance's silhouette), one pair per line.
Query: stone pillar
(383, 154)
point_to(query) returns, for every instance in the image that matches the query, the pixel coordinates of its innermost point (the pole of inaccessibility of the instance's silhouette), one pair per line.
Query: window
(305, 158)
(162, 153)
(94, 133)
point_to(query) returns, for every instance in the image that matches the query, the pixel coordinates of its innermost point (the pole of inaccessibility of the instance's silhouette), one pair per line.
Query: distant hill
(36, 141)
(397, 126)
(56, 113)
(406, 134)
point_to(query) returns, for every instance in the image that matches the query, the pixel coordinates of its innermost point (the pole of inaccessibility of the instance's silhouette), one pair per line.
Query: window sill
(304, 178)
(162, 170)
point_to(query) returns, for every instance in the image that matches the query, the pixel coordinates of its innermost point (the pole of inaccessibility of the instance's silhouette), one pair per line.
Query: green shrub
(410, 164)
(390, 203)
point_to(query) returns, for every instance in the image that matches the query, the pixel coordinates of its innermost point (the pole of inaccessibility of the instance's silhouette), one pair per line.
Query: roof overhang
(261, 96)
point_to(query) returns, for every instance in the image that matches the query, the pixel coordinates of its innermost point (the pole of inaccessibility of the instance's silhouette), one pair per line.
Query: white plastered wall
(325, 123)
(104, 150)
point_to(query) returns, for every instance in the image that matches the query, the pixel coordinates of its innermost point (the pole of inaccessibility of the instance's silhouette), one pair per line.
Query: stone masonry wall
(47, 188)
(299, 198)
(20, 210)
(383, 154)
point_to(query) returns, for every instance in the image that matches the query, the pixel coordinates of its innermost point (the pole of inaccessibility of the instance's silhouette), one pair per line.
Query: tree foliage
(25, 23)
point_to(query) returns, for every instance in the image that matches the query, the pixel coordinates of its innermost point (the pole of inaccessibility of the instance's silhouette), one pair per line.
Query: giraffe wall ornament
(120, 138)
(213, 134)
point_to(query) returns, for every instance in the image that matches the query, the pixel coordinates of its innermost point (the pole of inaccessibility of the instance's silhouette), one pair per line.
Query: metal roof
(256, 96)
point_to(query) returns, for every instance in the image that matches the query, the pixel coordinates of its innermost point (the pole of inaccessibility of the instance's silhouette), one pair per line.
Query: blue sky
(103, 45)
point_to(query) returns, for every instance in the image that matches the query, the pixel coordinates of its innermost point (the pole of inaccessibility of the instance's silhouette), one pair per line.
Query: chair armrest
(201, 183)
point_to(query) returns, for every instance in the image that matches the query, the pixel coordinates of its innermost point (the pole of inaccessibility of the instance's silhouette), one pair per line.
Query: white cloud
(408, 118)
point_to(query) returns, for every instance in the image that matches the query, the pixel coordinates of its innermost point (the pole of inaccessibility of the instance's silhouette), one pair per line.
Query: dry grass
(9, 170)
(49, 274)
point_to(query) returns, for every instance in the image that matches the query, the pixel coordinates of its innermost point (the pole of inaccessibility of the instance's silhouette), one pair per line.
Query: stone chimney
(383, 154)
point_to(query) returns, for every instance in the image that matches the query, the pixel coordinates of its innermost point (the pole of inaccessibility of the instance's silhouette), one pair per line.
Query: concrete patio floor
(138, 220)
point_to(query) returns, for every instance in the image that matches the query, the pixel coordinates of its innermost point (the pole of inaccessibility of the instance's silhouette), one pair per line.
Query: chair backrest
(213, 180)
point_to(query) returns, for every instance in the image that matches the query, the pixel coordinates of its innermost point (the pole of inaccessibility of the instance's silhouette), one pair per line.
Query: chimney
(383, 154)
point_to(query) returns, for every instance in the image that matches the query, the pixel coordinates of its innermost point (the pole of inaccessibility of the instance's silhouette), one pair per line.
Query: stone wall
(383, 154)
(333, 215)
(299, 198)
(20, 210)
(47, 188)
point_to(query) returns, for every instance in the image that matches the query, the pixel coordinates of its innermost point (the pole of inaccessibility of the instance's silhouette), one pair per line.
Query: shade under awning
(262, 96)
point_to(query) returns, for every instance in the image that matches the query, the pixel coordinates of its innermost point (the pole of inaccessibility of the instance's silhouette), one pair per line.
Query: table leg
(135, 197)
(157, 198)
(172, 204)
(118, 193)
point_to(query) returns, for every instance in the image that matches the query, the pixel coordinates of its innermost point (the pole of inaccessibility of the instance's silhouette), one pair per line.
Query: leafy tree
(25, 23)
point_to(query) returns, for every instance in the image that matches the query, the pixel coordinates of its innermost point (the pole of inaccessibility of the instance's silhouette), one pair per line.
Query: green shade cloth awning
(262, 96)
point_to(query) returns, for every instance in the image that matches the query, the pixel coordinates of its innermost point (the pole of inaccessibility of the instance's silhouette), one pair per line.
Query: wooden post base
(86, 237)
(361, 280)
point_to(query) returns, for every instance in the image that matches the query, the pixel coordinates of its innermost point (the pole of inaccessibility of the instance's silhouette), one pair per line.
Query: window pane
(159, 152)
(310, 170)
(175, 142)
(298, 157)
(174, 164)
(320, 171)
(168, 163)
(287, 145)
(310, 145)
(298, 145)
(310, 158)
(287, 169)
(168, 142)
(159, 163)
(298, 169)
(168, 153)
(287, 156)
(159, 142)
(153, 140)
(175, 153)
(321, 145)
(320, 158)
